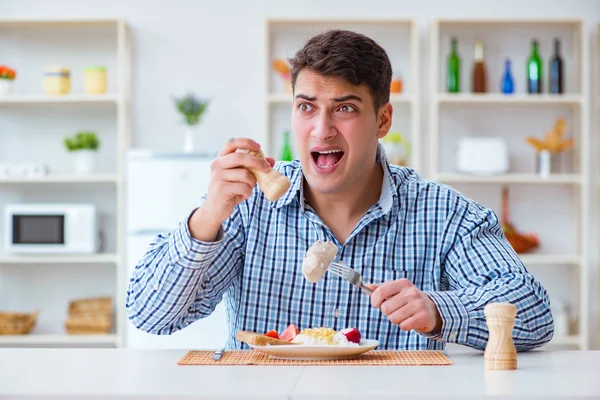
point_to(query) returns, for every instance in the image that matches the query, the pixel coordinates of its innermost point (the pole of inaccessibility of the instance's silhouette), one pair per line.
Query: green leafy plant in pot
(84, 147)
(192, 109)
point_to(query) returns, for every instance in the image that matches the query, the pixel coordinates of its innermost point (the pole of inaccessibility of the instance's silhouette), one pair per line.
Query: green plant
(83, 140)
(191, 108)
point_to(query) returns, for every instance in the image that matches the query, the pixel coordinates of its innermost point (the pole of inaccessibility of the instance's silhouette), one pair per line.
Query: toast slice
(258, 339)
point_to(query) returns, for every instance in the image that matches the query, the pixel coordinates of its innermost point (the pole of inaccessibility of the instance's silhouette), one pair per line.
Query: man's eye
(347, 109)
(305, 107)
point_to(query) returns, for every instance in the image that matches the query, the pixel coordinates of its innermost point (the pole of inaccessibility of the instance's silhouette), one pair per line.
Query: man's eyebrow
(348, 97)
(305, 97)
(337, 99)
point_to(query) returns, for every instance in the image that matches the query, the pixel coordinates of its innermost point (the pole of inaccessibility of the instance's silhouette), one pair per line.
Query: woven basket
(88, 324)
(96, 305)
(17, 323)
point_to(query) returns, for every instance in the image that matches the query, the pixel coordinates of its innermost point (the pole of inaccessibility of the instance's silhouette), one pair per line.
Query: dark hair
(351, 56)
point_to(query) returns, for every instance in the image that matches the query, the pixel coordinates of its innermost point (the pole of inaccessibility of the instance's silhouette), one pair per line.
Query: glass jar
(94, 80)
(57, 80)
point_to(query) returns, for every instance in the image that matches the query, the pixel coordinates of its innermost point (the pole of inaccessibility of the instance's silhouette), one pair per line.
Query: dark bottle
(479, 75)
(556, 70)
(453, 77)
(286, 152)
(508, 84)
(534, 70)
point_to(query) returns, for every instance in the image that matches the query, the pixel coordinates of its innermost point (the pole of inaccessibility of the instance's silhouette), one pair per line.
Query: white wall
(216, 48)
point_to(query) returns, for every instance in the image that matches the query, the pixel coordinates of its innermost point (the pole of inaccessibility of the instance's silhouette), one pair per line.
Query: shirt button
(337, 313)
(453, 337)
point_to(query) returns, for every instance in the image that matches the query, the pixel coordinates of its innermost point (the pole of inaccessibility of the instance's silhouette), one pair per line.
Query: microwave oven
(51, 228)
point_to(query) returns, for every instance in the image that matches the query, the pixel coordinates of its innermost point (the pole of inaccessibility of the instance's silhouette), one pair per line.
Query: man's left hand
(406, 306)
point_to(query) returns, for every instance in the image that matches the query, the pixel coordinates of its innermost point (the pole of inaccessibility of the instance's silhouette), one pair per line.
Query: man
(434, 258)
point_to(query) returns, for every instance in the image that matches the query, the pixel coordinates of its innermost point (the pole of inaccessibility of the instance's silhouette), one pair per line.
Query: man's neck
(342, 211)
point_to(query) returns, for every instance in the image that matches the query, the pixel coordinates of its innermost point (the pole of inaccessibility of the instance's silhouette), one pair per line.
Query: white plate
(316, 352)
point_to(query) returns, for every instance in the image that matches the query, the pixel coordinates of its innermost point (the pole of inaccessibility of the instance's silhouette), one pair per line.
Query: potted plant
(192, 109)
(84, 146)
(7, 76)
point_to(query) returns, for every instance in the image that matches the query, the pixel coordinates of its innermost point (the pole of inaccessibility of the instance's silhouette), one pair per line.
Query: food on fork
(317, 259)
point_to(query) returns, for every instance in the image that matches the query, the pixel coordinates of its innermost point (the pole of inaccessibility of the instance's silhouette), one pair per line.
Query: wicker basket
(17, 323)
(88, 324)
(96, 305)
(89, 316)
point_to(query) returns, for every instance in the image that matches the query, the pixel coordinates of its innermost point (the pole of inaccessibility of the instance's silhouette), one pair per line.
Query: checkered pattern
(447, 245)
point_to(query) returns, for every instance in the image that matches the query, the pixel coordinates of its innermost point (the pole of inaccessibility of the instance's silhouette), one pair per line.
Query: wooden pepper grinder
(500, 352)
(272, 183)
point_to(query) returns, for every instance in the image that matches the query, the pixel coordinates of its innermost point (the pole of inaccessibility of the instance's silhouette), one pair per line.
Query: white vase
(189, 139)
(5, 87)
(84, 161)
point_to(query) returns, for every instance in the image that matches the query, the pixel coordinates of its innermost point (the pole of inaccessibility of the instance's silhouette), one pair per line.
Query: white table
(103, 373)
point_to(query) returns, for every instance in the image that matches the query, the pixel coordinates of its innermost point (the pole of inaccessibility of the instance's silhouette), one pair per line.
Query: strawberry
(352, 334)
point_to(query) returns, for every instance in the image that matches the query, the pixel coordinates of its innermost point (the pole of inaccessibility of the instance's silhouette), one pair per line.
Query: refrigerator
(162, 189)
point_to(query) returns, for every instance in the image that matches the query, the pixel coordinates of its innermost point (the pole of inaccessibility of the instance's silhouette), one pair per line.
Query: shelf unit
(399, 37)
(597, 185)
(452, 115)
(29, 46)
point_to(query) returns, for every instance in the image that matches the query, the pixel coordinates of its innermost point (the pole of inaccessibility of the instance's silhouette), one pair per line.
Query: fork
(349, 274)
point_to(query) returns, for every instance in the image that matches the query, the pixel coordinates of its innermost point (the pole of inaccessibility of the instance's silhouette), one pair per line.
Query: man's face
(336, 131)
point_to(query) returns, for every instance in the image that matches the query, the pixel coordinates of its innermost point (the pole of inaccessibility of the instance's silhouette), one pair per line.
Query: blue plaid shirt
(447, 245)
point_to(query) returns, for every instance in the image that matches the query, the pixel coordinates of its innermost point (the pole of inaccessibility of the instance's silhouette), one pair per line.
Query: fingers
(239, 191)
(240, 175)
(389, 289)
(418, 322)
(271, 161)
(239, 143)
(241, 160)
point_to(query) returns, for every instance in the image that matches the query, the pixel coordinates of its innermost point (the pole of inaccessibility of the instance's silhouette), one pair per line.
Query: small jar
(57, 80)
(94, 80)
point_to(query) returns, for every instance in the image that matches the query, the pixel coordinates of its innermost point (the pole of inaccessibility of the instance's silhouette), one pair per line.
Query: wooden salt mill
(272, 183)
(500, 352)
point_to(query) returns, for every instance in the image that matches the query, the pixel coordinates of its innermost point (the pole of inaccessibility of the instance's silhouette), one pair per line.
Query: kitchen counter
(104, 373)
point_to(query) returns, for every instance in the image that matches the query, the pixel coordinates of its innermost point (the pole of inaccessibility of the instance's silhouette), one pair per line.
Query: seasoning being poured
(317, 259)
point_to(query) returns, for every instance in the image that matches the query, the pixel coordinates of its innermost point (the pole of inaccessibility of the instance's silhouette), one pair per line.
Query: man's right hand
(230, 184)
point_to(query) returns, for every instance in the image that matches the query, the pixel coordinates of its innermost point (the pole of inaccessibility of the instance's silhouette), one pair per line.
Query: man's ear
(384, 120)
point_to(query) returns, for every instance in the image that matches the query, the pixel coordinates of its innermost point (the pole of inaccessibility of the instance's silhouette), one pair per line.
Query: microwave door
(38, 229)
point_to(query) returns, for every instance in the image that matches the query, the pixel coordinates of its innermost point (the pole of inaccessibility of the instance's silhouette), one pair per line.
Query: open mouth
(327, 159)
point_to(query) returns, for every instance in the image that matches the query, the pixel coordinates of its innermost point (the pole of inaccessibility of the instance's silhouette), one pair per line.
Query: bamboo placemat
(373, 357)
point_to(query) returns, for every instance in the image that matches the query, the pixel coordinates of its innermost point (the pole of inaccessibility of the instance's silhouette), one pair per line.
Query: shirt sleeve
(481, 267)
(181, 279)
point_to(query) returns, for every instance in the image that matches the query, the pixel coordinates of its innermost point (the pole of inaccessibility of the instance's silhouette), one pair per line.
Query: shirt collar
(296, 191)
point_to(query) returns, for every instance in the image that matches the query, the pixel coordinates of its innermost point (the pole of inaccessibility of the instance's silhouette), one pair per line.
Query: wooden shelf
(561, 179)
(58, 339)
(34, 100)
(96, 178)
(283, 98)
(512, 99)
(107, 258)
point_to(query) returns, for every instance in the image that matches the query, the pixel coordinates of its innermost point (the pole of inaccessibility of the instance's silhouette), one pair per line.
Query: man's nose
(324, 128)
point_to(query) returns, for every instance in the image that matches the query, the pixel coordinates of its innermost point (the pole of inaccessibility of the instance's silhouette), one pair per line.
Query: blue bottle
(508, 85)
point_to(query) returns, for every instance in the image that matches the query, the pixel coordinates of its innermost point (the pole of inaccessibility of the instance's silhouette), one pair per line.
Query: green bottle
(534, 70)
(453, 78)
(286, 152)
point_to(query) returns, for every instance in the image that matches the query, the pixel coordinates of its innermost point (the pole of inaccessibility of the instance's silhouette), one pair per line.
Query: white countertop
(102, 373)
